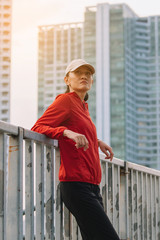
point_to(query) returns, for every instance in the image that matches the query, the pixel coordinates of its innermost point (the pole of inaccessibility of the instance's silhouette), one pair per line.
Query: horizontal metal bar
(115, 161)
(8, 128)
(144, 169)
(131, 165)
(39, 138)
(11, 129)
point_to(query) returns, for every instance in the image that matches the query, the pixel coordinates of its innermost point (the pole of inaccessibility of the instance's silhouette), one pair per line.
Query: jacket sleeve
(51, 122)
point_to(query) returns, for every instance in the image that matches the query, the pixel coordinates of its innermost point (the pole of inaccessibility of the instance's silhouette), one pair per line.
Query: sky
(27, 15)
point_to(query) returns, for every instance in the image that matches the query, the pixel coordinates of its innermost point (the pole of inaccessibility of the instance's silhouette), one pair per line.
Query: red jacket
(69, 112)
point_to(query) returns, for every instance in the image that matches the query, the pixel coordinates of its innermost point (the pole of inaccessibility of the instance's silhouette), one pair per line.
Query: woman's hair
(68, 90)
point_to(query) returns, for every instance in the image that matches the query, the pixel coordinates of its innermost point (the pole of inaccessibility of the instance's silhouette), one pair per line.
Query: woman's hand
(107, 150)
(79, 139)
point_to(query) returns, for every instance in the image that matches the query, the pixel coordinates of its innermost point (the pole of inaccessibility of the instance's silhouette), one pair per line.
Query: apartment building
(128, 83)
(5, 58)
(58, 45)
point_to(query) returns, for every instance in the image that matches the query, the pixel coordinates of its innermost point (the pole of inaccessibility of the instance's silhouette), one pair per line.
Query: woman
(67, 119)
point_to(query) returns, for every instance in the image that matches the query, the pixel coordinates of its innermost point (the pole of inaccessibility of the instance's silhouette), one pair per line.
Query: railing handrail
(131, 165)
(28, 134)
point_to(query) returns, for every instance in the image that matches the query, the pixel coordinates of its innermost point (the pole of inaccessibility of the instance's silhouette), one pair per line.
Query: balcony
(30, 203)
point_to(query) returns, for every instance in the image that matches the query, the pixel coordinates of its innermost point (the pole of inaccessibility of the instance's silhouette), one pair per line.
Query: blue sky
(26, 16)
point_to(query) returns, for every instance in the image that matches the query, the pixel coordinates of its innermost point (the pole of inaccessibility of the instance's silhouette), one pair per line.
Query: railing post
(15, 188)
(58, 212)
(20, 182)
(29, 190)
(126, 198)
(49, 193)
(1, 188)
(124, 202)
(40, 155)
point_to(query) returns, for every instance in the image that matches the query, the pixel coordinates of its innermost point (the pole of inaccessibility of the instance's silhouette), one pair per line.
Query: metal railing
(30, 203)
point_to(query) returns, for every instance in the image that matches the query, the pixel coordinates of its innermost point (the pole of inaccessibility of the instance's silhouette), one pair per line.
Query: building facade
(147, 85)
(58, 45)
(5, 59)
(128, 83)
(114, 50)
(125, 98)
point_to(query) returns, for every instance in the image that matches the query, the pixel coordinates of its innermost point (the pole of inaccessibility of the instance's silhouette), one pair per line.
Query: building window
(6, 32)
(6, 59)
(6, 41)
(4, 111)
(4, 93)
(5, 75)
(6, 24)
(6, 15)
(5, 84)
(6, 7)
(4, 103)
(5, 67)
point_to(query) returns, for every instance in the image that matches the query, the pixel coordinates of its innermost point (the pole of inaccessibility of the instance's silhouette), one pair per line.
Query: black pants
(85, 202)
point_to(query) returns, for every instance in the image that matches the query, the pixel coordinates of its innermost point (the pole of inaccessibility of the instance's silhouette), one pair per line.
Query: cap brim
(87, 65)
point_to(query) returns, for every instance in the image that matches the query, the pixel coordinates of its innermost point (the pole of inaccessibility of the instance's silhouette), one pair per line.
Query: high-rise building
(89, 47)
(125, 98)
(115, 49)
(58, 45)
(5, 59)
(128, 83)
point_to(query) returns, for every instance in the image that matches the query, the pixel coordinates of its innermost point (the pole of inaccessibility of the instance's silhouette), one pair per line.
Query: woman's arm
(51, 123)
(107, 150)
(79, 139)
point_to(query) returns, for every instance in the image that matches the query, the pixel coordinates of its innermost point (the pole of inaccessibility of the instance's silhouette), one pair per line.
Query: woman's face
(80, 80)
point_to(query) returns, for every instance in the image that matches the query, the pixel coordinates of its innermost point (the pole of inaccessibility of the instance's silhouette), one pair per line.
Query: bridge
(30, 201)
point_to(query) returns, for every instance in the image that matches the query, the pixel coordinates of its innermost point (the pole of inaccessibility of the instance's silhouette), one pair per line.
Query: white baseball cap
(78, 63)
